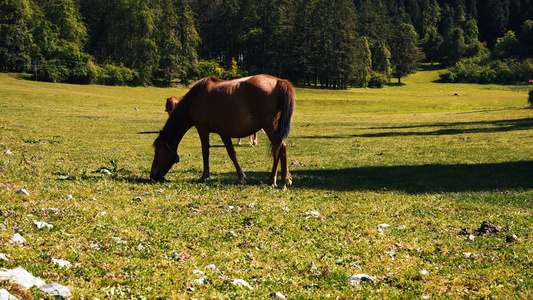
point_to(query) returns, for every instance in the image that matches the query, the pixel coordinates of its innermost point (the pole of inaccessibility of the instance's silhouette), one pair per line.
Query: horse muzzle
(154, 175)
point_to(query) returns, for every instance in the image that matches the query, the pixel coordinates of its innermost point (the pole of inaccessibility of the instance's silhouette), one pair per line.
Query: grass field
(416, 157)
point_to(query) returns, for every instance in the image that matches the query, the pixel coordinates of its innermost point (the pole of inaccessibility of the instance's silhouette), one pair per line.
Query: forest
(327, 43)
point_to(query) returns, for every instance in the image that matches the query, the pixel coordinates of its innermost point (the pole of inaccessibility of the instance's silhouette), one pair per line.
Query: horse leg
(204, 139)
(274, 173)
(239, 142)
(285, 175)
(233, 156)
(253, 140)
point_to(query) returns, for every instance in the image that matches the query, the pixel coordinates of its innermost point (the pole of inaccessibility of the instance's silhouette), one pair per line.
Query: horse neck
(174, 130)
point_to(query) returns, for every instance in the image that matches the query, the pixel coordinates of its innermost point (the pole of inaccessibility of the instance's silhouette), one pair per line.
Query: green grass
(409, 155)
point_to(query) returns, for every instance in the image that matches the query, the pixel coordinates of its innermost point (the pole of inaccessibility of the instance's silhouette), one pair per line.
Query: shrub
(109, 74)
(377, 80)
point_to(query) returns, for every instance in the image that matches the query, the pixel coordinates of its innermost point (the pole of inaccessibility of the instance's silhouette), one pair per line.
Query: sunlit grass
(412, 155)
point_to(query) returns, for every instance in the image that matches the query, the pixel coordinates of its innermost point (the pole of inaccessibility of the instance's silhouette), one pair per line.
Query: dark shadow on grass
(448, 128)
(420, 179)
(148, 132)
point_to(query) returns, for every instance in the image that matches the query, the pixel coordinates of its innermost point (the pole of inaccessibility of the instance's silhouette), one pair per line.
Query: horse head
(164, 158)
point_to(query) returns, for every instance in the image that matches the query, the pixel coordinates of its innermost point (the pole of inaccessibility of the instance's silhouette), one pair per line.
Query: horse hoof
(283, 187)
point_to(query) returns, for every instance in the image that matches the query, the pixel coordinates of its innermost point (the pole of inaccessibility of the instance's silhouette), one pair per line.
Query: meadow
(431, 160)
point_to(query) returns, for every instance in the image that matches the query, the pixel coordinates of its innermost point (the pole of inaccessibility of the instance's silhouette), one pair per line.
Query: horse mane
(179, 116)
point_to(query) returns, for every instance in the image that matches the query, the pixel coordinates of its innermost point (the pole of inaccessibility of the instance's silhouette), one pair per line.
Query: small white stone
(17, 239)
(383, 225)
(251, 205)
(211, 267)
(198, 272)
(470, 238)
(3, 257)
(276, 295)
(240, 282)
(69, 197)
(62, 263)
(5, 295)
(199, 281)
(21, 277)
(41, 225)
(423, 272)
(8, 152)
(232, 233)
(361, 277)
(285, 209)
(311, 214)
(380, 230)
(56, 290)
(22, 191)
(400, 227)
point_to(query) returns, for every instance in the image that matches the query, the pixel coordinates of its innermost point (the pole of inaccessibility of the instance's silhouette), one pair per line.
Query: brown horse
(172, 102)
(233, 109)
(530, 82)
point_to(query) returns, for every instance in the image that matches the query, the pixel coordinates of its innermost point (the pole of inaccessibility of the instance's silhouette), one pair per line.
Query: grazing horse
(233, 109)
(172, 102)
(530, 82)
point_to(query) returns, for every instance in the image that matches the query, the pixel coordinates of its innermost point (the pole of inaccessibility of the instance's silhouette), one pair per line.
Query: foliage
(530, 98)
(377, 80)
(405, 54)
(482, 69)
(313, 42)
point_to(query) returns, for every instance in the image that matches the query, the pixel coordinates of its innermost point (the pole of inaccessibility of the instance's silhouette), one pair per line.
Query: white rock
(251, 205)
(400, 227)
(211, 267)
(232, 233)
(119, 240)
(383, 225)
(199, 272)
(8, 152)
(21, 277)
(199, 281)
(3, 227)
(5, 295)
(3, 257)
(62, 263)
(101, 214)
(41, 225)
(356, 279)
(380, 230)
(17, 239)
(276, 295)
(423, 272)
(22, 191)
(311, 214)
(69, 197)
(312, 266)
(56, 290)
(240, 282)
(285, 209)
(470, 238)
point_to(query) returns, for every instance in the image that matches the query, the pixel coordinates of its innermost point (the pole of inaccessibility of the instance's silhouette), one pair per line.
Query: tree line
(331, 43)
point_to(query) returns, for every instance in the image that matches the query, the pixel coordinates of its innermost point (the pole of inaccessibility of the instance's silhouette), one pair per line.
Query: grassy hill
(427, 162)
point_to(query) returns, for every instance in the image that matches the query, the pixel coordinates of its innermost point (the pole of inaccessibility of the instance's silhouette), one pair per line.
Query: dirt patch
(486, 228)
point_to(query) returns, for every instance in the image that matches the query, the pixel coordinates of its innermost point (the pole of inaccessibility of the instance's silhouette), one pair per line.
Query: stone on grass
(357, 278)
(17, 239)
(22, 191)
(3, 257)
(41, 225)
(276, 295)
(311, 214)
(211, 267)
(69, 197)
(56, 290)
(5, 295)
(62, 263)
(199, 281)
(21, 277)
(241, 282)
(423, 272)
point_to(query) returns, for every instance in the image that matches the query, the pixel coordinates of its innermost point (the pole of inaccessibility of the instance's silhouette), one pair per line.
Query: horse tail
(286, 105)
